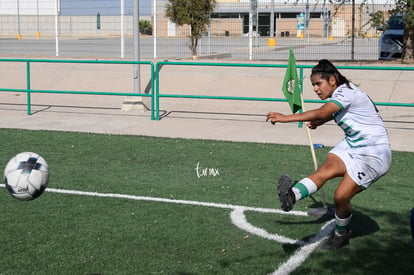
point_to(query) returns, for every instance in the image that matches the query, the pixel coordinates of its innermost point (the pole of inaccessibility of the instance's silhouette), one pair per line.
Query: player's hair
(325, 68)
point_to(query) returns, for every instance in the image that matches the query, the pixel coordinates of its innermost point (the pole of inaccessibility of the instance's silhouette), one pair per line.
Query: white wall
(69, 25)
(28, 7)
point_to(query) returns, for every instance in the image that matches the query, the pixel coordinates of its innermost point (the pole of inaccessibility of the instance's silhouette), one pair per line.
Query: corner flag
(290, 86)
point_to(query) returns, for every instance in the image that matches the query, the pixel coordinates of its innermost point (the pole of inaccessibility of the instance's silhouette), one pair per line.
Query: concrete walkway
(189, 118)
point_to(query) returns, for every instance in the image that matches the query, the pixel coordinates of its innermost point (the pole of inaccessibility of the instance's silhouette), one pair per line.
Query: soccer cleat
(286, 195)
(336, 241)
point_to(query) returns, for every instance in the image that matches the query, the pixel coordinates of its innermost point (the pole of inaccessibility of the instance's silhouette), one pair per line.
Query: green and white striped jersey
(358, 117)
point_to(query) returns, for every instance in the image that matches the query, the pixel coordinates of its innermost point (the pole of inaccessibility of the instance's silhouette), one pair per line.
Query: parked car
(391, 40)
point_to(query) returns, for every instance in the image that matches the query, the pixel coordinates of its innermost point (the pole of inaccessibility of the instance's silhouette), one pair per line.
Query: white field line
(302, 253)
(153, 199)
(238, 218)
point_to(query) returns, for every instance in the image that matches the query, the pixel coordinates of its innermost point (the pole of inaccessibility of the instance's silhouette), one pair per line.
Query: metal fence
(315, 29)
(29, 90)
(155, 92)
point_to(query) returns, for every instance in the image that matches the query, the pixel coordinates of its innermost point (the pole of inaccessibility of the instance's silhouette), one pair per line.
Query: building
(230, 18)
(278, 18)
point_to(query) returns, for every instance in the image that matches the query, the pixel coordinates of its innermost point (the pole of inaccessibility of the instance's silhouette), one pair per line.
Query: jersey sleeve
(342, 97)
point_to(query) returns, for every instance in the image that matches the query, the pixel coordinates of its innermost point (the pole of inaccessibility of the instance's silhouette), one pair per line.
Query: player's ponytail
(325, 68)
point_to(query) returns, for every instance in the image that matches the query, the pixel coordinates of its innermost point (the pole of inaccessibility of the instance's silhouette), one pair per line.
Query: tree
(145, 27)
(377, 20)
(195, 13)
(406, 7)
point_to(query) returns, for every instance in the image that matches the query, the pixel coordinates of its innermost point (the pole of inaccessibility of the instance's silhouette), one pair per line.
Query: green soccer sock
(304, 188)
(341, 225)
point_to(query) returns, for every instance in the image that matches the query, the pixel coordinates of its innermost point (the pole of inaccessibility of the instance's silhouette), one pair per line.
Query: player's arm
(321, 115)
(316, 123)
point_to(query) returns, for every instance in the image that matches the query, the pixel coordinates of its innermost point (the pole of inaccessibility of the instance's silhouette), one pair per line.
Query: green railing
(158, 95)
(156, 76)
(28, 90)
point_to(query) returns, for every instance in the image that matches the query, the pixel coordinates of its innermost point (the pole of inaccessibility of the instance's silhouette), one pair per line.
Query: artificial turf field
(143, 205)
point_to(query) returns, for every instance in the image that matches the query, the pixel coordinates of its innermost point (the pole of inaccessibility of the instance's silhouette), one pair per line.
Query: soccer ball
(26, 176)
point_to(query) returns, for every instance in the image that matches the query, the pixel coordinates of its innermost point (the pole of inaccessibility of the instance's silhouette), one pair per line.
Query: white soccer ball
(26, 176)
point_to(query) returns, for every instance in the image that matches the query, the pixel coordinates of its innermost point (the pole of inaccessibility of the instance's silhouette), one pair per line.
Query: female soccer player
(360, 159)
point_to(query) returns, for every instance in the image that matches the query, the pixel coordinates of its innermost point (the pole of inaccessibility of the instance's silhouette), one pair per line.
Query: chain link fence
(238, 30)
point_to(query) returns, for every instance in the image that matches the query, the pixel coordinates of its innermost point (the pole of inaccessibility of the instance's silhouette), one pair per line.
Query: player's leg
(365, 165)
(345, 191)
(290, 193)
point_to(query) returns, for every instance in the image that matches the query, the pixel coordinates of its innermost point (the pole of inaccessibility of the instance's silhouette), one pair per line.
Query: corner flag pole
(315, 161)
(292, 88)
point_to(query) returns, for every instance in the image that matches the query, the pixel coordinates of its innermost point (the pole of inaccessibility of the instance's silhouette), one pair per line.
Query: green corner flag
(290, 86)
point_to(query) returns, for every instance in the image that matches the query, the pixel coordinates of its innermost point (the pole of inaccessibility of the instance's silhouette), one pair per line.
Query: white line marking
(153, 199)
(304, 251)
(238, 218)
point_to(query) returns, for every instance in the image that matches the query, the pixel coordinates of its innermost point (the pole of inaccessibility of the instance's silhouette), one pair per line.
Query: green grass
(74, 234)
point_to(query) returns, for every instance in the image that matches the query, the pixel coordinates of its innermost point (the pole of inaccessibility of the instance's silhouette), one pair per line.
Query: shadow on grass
(388, 251)
(361, 225)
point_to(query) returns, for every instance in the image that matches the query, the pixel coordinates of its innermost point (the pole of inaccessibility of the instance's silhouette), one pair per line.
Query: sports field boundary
(238, 218)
